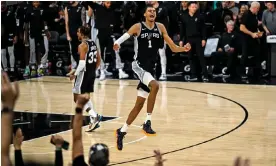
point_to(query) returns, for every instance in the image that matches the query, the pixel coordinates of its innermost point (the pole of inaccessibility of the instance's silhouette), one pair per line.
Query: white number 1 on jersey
(150, 44)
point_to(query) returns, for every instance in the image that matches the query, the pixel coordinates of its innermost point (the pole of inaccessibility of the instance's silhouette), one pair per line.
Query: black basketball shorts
(84, 83)
(145, 75)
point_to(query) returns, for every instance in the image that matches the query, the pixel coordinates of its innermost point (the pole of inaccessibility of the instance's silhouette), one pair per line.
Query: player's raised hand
(18, 139)
(116, 47)
(9, 91)
(158, 156)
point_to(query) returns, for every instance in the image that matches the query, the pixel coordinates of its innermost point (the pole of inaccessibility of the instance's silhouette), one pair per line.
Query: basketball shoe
(120, 136)
(147, 130)
(94, 123)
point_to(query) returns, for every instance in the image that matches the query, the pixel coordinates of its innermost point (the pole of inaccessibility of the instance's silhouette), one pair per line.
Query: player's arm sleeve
(132, 31)
(82, 49)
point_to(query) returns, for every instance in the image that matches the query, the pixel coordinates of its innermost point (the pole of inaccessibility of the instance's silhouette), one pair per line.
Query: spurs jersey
(147, 44)
(84, 82)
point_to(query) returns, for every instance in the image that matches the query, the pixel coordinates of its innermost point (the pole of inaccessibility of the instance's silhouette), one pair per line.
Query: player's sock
(91, 111)
(124, 128)
(148, 117)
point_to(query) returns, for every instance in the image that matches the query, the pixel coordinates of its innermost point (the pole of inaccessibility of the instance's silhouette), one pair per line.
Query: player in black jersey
(149, 38)
(85, 73)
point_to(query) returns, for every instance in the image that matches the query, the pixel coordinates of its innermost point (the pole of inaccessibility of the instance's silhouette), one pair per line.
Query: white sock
(124, 128)
(91, 112)
(163, 60)
(120, 70)
(148, 117)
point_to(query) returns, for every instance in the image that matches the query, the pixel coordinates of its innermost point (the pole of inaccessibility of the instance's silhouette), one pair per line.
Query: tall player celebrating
(85, 73)
(149, 37)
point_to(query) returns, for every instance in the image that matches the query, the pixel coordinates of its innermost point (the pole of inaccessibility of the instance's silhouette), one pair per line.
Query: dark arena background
(215, 102)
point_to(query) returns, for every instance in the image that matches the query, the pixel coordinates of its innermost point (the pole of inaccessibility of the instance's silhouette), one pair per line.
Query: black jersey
(91, 57)
(74, 18)
(147, 44)
(84, 82)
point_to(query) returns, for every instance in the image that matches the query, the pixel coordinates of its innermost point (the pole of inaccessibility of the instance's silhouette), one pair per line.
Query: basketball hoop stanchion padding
(271, 40)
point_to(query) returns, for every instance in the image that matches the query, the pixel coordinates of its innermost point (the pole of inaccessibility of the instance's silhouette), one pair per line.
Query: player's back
(147, 43)
(91, 57)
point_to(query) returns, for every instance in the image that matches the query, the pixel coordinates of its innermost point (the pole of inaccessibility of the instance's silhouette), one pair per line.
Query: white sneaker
(71, 72)
(123, 75)
(107, 73)
(102, 77)
(163, 77)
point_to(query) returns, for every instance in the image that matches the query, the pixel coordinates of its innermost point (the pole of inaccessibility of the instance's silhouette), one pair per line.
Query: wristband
(6, 110)
(78, 110)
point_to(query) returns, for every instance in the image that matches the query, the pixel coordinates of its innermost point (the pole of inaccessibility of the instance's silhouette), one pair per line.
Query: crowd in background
(27, 28)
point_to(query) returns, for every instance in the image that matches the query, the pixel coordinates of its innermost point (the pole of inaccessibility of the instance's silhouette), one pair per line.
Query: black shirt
(20, 18)
(250, 21)
(218, 16)
(230, 39)
(162, 15)
(74, 18)
(8, 24)
(147, 44)
(192, 26)
(79, 161)
(105, 17)
(36, 17)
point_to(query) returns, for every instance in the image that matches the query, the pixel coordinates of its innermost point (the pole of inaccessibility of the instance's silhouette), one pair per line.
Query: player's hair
(85, 31)
(147, 6)
(192, 2)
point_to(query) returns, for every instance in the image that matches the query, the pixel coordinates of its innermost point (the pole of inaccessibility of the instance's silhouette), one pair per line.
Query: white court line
(127, 143)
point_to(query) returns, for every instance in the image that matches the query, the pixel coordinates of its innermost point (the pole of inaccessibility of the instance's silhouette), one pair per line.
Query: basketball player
(85, 73)
(149, 38)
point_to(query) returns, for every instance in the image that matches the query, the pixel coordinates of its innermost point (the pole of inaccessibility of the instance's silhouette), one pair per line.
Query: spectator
(227, 47)
(193, 31)
(9, 96)
(105, 23)
(269, 19)
(251, 43)
(36, 25)
(99, 153)
(8, 37)
(218, 16)
(75, 16)
(129, 13)
(233, 8)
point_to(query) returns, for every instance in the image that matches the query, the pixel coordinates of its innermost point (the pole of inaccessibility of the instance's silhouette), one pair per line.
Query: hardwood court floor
(197, 123)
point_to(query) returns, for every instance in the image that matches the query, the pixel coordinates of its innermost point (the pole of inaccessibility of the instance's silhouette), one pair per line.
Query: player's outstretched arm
(132, 31)
(169, 41)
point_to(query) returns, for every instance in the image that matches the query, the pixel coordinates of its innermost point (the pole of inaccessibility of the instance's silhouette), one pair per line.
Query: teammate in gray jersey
(149, 38)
